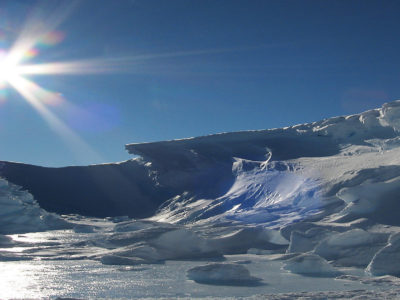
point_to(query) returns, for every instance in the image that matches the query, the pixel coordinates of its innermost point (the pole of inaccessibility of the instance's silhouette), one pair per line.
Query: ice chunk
(143, 251)
(223, 274)
(355, 247)
(184, 244)
(83, 228)
(241, 240)
(387, 260)
(6, 241)
(132, 237)
(310, 265)
(391, 114)
(373, 198)
(120, 260)
(306, 241)
(164, 242)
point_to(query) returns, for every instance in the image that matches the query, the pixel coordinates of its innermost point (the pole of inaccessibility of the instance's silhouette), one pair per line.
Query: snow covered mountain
(320, 197)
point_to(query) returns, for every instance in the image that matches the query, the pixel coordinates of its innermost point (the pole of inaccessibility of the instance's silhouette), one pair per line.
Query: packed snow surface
(318, 200)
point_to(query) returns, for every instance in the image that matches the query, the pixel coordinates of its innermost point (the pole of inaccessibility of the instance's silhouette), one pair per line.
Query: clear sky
(179, 68)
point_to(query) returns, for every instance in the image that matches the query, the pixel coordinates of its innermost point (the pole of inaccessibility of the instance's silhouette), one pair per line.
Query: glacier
(317, 200)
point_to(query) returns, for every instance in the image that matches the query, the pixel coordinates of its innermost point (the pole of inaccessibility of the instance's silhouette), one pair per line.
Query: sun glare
(8, 70)
(36, 36)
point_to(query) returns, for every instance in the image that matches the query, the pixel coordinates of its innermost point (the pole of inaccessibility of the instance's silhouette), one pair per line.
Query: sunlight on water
(91, 280)
(38, 237)
(17, 280)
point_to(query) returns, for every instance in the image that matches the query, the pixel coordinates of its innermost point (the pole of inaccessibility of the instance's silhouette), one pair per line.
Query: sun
(18, 51)
(8, 70)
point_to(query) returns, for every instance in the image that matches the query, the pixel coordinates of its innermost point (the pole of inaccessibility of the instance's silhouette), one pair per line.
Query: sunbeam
(34, 95)
(39, 31)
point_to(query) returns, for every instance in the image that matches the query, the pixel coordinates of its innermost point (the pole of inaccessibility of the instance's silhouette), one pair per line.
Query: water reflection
(19, 280)
(89, 279)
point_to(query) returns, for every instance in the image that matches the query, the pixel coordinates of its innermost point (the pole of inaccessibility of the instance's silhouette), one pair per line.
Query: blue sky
(190, 68)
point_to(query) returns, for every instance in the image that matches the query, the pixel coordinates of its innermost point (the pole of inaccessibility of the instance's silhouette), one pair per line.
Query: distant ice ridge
(20, 213)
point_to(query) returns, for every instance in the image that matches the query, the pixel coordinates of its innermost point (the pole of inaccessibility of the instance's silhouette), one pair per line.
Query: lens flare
(39, 33)
(33, 94)
(51, 39)
(31, 53)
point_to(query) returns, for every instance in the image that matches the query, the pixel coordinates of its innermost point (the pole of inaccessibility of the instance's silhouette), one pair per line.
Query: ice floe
(223, 274)
(311, 265)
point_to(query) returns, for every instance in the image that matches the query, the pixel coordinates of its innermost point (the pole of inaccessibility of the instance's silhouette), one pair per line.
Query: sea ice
(355, 247)
(121, 260)
(311, 265)
(184, 244)
(223, 274)
(387, 260)
(306, 241)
